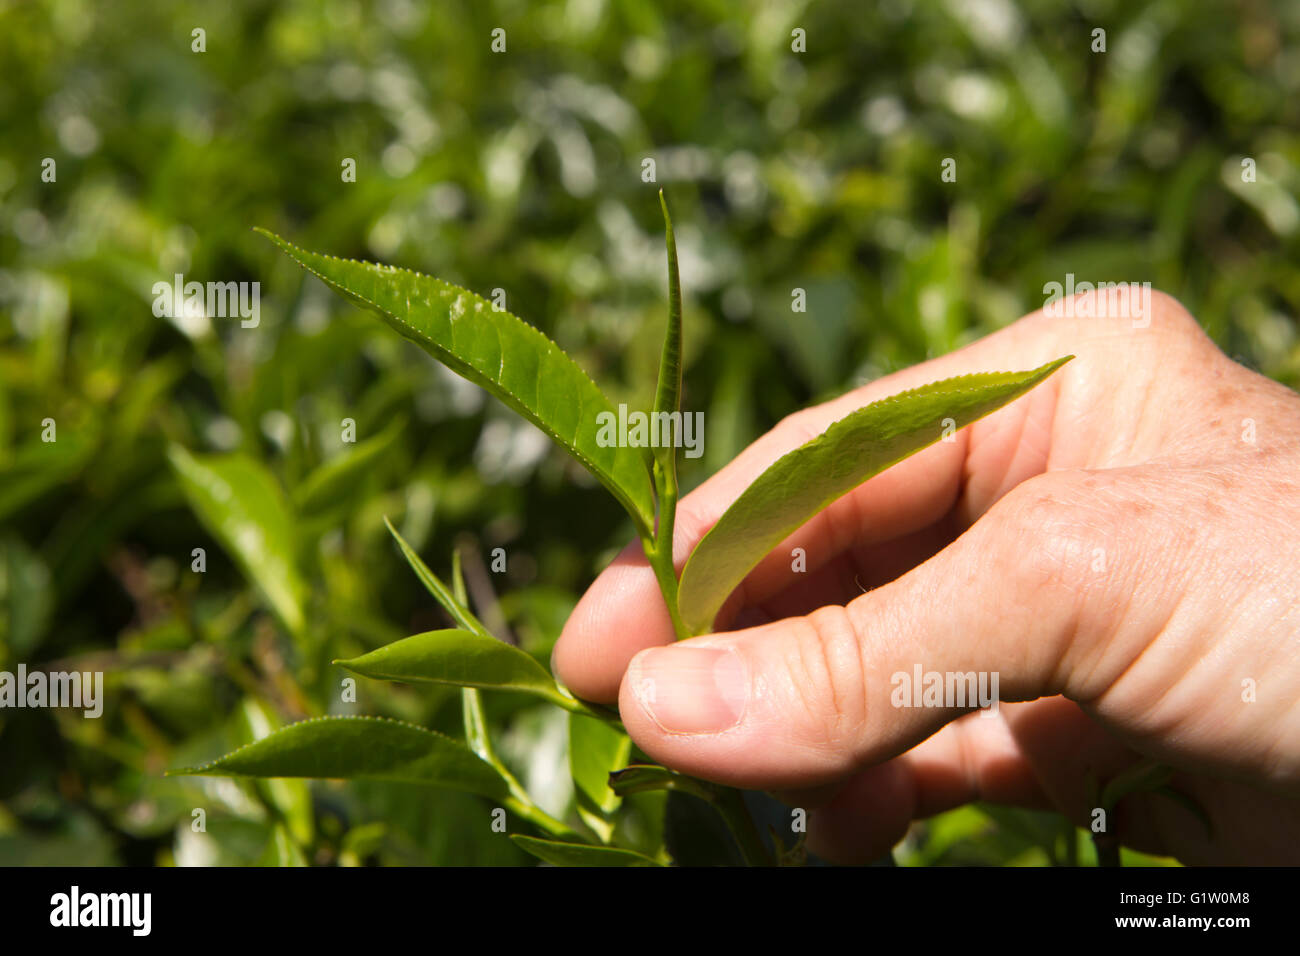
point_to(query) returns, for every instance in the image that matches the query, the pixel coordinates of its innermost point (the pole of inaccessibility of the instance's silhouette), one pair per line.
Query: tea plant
(492, 348)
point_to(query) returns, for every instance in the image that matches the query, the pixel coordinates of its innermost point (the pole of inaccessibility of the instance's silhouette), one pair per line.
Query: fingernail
(691, 690)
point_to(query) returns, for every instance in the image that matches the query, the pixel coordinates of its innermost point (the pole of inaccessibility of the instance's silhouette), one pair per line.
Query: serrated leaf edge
(360, 718)
(572, 448)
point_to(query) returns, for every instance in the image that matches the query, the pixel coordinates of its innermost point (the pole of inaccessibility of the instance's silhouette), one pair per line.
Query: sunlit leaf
(595, 751)
(281, 850)
(459, 657)
(501, 353)
(668, 394)
(803, 482)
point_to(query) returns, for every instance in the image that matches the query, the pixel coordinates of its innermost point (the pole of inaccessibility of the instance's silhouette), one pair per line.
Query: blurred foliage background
(522, 171)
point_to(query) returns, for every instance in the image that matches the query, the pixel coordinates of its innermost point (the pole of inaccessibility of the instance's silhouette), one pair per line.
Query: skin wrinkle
(866, 705)
(1099, 703)
(842, 649)
(1067, 664)
(812, 707)
(1106, 592)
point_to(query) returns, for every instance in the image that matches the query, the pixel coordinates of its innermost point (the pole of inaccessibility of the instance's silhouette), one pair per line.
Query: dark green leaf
(361, 748)
(501, 353)
(330, 485)
(26, 597)
(39, 466)
(642, 778)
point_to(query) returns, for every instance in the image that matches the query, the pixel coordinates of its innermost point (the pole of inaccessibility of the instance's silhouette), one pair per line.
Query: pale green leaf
(361, 748)
(803, 482)
(242, 505)
(501, 353)
(281, 850)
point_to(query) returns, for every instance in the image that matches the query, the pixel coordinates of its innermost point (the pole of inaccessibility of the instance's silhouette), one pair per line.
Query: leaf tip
(663, 204)
(185, 772)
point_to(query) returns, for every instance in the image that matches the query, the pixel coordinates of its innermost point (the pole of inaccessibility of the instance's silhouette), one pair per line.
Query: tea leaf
(580, 854)
(35, 468)
(434, 585)
(595, 751)
(244, 508)
(281, 850)
(459, 657)
(332, 485)
(668, 394)
(803, 482)
(645, 778)
(501, 353)
(360, 748)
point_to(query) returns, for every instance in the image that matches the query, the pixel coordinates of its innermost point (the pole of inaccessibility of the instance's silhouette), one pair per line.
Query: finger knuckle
(827, 678)
(1115, 307)
(1048, 536)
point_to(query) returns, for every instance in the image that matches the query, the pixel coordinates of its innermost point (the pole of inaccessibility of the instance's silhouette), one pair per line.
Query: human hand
(1120, 546)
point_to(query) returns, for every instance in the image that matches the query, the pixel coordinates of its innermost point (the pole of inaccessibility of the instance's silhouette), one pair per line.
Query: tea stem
(659, 549)
(730, 803)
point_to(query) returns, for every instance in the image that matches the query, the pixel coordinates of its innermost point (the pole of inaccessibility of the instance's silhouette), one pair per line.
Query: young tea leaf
(459, 657)
(242, 505)
(281, 850)
(580, 854)
(668, 394)
(330, 486)
(501, 353)
(800, 484)
(595, 751)
(444, 595)
(361, 748)
(646, 778)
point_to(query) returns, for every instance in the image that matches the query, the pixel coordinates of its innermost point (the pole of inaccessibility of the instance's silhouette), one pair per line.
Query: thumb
(808, 700)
